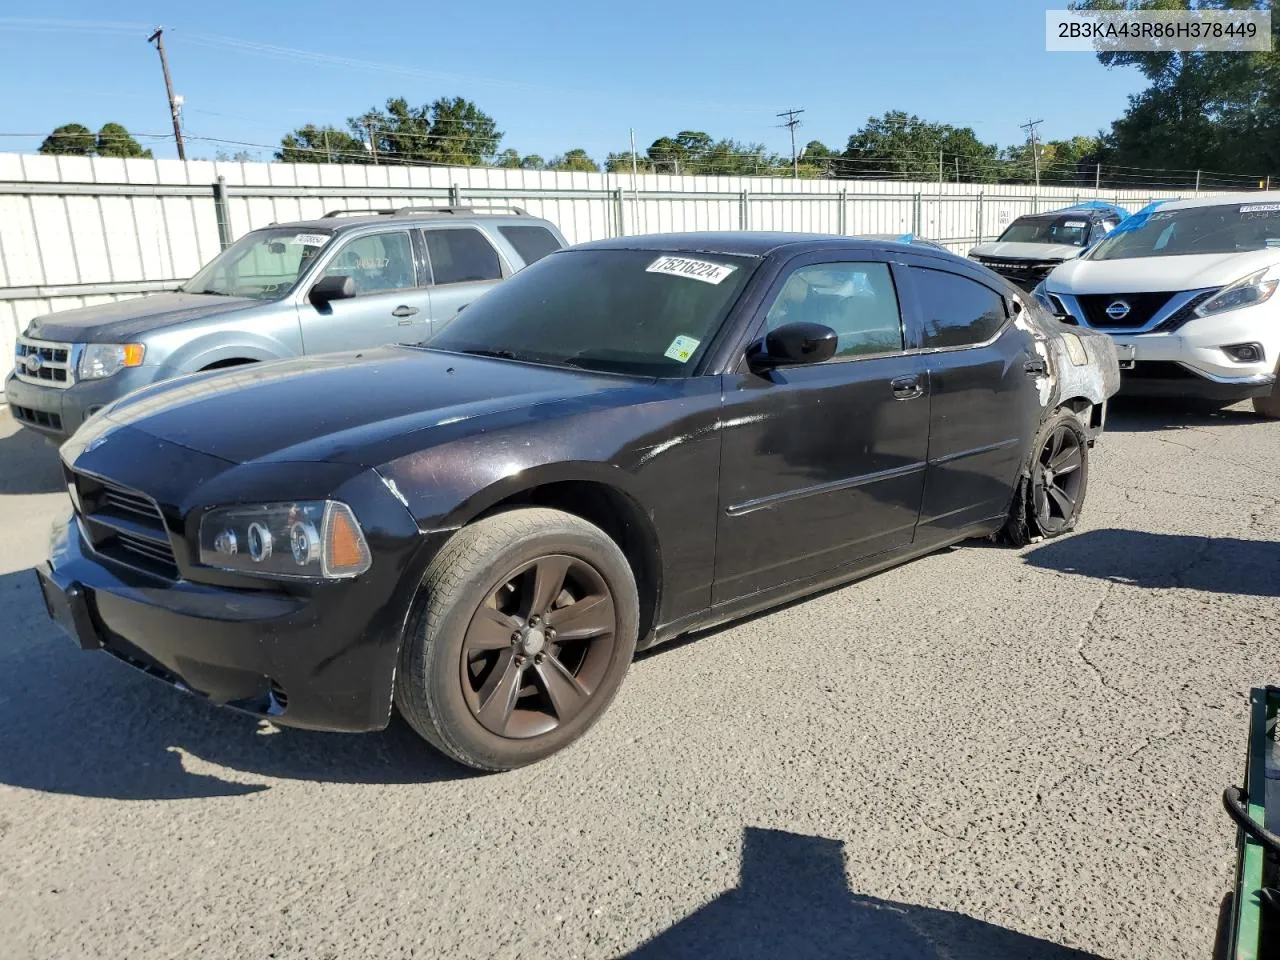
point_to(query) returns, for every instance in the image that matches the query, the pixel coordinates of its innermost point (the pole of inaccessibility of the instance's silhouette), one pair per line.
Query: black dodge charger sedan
(627, 441)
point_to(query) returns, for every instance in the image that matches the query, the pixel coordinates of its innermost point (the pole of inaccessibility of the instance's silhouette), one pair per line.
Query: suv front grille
(124, 525)
(1142, 307)
(1025, 273)
(44, 363)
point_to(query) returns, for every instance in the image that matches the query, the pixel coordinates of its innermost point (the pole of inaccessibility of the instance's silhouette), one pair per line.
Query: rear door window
(956, 311)
(530, 241)
(461, 255)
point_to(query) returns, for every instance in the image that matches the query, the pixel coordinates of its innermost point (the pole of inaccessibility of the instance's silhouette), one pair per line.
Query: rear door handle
(1035, 367)
(906, 388)
(403, 311)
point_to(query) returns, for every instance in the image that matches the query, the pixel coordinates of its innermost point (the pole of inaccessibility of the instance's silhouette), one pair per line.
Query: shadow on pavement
(793, 901)
(82, 723)
(1162, 560)
(1152, 415)
(28, 462)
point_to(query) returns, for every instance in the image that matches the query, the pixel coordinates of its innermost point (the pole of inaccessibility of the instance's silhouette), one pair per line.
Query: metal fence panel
(77, 230)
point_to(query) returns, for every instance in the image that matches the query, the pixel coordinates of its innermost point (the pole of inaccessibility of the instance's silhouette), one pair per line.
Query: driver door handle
(906, 388)
(403, 311)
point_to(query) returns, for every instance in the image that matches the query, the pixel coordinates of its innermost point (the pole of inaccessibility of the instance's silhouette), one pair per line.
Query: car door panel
(984, 413)
(464, 264)
(389, 305)
(822, 466)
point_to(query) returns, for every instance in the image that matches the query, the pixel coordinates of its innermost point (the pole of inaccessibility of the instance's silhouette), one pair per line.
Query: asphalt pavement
(987, 753)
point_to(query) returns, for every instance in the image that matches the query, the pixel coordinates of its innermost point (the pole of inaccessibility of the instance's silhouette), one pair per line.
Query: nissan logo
(1118, 309)
(33, 363)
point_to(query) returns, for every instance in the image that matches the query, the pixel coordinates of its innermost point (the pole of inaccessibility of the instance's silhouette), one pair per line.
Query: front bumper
(58, 412)
(303, 661)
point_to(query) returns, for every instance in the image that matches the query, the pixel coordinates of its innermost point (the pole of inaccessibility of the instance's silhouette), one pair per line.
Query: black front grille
(1186, 312)
(37, 418)
(1142, 307)
(124, 525)
(1025, 273)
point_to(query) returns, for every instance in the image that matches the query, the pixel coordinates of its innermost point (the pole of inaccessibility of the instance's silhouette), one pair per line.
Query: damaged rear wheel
(1052, 494)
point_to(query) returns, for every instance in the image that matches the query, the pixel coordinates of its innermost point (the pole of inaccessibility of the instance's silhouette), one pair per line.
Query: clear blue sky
(553, 75)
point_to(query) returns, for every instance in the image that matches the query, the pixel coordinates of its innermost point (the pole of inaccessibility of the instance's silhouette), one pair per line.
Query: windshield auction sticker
(682, 347)
(1260, 208)
(703, 270)
(311, 239)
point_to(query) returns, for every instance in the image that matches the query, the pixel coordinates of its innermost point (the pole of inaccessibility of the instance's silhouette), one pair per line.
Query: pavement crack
(1086, 635)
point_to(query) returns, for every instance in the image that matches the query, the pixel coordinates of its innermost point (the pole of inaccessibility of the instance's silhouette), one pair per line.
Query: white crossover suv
(1189, 285)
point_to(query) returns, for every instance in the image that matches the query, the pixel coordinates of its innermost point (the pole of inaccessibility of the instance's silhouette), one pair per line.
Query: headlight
(100, 360)
(313, 538)
(1246, 292)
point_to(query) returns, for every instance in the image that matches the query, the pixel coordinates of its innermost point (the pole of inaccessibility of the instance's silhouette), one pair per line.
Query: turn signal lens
(345, 552)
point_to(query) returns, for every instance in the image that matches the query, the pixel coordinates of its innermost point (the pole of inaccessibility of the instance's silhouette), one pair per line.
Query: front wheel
(1050, 499)
(529, 625)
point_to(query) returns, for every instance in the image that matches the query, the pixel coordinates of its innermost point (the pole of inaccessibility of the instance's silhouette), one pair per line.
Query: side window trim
(940, 267)
(322, 269)
(757, 325)
(504, 267)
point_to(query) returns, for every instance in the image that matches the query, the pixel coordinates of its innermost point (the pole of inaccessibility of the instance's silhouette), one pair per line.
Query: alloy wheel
(537, 648)
(1061, 477)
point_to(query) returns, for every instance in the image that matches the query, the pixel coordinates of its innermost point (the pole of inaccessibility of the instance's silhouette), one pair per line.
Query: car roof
(748, 243)
(1223, 199)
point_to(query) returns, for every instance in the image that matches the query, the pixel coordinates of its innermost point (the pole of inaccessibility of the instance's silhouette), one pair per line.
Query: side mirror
(793, 344)
(336, 287)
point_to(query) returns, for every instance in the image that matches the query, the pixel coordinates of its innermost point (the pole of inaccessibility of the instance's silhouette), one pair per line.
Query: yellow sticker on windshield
(682, 348)
(703, 270)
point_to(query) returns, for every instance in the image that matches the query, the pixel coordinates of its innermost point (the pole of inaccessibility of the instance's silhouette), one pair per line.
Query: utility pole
(158, 39)
(792, 121)
(1030, 127)
(1097, 177)
(373, 143)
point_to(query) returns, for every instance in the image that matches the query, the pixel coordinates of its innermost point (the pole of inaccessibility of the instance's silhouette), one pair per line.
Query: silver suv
(349, 280)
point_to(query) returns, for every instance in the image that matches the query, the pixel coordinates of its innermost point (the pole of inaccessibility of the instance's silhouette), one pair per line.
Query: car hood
(126, 320)
(1010, 250)
(1153, 274)
(345, 406)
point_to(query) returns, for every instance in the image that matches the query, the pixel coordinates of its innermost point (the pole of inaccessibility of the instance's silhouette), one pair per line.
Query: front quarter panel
(663, 454)
(267, 332)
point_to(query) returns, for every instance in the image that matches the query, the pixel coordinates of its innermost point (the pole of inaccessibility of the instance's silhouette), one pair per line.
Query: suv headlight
(99, 360)
(312, 538)
(1246, 292)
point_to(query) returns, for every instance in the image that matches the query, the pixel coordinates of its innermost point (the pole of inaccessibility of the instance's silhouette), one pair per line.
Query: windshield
(639, 312)
(262, 265)
(1073, 231)
(1226, 228)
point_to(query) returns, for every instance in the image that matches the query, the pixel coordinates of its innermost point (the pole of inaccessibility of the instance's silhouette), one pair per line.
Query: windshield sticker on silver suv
(1260, 208)
(311, 239)
(682, 347)
(703, 270)
(1075, 223)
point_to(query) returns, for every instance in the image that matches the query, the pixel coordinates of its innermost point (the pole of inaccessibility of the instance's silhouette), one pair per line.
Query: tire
(495, 706)
(1048, 502)
(1268, 406)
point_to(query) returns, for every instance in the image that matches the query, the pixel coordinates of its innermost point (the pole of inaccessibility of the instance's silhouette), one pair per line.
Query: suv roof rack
(449, 211)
